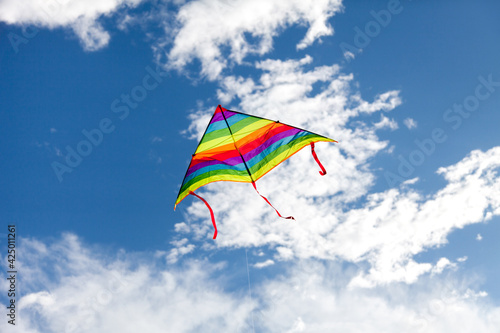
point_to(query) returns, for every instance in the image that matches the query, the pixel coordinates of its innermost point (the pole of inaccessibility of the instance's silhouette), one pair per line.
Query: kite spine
(234, 142)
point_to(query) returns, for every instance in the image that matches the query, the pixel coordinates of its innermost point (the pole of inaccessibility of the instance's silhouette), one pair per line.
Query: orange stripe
(250, 137)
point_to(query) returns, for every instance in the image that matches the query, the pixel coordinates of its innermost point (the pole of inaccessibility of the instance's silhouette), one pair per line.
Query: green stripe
(256, 167)
(212, 173)
(266, 159)
(225, 131)
(243, 123)
(215, 135)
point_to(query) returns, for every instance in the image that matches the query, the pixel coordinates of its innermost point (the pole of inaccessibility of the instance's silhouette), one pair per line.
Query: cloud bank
(206, 29)
(70, 287)
(83, 17)
(338, 218)
(201, 29)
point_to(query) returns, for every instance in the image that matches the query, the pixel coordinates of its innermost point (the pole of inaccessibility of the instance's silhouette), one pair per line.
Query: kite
(239, 147)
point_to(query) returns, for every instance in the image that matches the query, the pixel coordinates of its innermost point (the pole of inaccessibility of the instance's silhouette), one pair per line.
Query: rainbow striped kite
(242, 148)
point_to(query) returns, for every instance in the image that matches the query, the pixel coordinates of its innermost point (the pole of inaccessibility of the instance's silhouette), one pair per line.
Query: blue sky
(400, 235)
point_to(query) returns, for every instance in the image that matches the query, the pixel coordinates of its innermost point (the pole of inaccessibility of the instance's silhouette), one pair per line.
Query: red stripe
(244, 149)
(219, 109)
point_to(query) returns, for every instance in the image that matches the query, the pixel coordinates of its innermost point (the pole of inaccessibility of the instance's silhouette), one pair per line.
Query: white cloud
(442, 264)
(298, 326)
(199, 29)
(411, 181)
(82, 16)
(284, 92)
(386, 123)
(410, 123)
(315, 299)
(395, 225)
(182, 227)
(243, 27)
(181, 247)
(73, 287)
(479, 237)
(384, 230)
(70, 287)
(349, 55)
(263, 264)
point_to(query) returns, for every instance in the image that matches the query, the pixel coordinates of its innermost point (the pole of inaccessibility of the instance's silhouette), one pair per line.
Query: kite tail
(263, 197)
(323, 171)
(210, 209)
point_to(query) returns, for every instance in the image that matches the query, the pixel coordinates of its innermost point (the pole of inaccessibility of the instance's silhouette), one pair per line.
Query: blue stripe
(222, 124)
(209, 168)
(256, 159)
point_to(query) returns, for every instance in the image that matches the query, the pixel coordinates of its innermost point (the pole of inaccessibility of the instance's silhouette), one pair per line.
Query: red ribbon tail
(263, 197)
(323, 171)
(210, 209)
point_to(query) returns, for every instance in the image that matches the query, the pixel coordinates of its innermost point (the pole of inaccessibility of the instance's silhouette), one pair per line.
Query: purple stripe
(218, 116)
(232, 161)
(256, 151)
(251, 154)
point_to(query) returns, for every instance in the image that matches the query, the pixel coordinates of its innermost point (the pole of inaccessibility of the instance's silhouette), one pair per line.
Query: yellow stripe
(250, 129)
(203, 182)
(237, 136)
(283, 156)
(271, 164)
(224, 140)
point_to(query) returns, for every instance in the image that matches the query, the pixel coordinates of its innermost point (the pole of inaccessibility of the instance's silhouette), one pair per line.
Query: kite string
(249, 289)
(210, 209)
(323, 171)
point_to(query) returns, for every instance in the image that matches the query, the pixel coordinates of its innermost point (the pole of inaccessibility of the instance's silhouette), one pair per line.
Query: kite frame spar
(300, 139)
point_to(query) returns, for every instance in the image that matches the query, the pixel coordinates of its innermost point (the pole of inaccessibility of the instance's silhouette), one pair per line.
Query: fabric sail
(242, 148)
